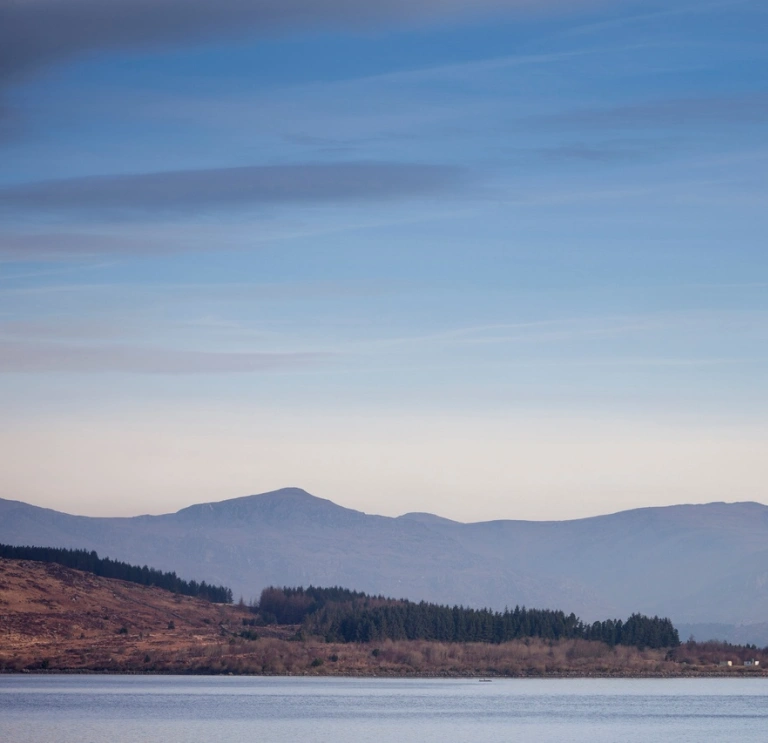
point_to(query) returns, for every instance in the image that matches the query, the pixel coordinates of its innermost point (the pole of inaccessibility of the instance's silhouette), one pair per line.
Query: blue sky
(490, 259)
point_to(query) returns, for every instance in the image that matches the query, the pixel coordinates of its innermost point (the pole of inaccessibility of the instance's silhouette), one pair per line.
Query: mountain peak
(290, 504)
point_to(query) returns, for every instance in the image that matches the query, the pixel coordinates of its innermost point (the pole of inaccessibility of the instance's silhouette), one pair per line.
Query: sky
(488, 259)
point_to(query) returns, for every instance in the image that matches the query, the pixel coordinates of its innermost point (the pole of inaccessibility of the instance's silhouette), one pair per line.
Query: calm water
(120, 709)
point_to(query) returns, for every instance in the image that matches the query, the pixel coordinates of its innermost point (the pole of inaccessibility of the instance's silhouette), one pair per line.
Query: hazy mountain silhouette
(695, 563)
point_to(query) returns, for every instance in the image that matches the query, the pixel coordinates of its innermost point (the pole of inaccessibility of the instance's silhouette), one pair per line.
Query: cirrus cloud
(25, 357)
(182, 190)
(35, 33)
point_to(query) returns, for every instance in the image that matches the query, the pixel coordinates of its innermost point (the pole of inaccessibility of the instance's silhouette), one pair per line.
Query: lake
(176, 709)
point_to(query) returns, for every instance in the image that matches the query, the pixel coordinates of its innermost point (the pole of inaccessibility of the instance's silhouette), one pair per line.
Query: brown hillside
(55, 617)
(58, 619)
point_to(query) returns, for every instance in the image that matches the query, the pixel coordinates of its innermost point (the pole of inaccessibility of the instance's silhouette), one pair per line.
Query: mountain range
(704, 566)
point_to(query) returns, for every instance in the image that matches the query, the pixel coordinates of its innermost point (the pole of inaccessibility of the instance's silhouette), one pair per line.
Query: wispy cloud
(34, 33)
(179, 191)
(177, 236)
(58, 329)
(600, 152)
(22, 357)
(745, 108)
(651, 325)
(635, 18)
(51, 246)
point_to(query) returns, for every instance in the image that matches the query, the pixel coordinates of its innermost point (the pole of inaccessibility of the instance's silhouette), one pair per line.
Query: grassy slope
(56, 618)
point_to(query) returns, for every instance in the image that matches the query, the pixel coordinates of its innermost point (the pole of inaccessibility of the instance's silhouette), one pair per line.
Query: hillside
(54, 618)
(63, 618)
(696, 564)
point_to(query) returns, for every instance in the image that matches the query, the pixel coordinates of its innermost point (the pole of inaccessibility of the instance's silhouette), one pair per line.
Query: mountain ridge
(300, 493)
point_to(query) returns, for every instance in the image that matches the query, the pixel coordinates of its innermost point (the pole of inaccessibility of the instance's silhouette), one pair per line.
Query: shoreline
(692, 673)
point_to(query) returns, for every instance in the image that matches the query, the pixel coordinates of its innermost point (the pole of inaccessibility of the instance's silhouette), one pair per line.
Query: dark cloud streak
(180, 191)
(35, 33)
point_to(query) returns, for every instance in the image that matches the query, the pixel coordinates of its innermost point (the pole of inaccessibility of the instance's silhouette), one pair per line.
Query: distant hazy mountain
(696, 564)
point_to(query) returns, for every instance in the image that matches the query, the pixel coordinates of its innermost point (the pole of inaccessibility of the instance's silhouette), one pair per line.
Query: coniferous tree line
(105, 567)
(294, 605)
(340, 615)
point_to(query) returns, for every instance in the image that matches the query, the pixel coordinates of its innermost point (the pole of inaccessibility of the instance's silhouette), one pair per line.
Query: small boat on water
(485, 681)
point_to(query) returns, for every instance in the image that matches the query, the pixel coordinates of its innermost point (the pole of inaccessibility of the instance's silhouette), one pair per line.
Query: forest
(105, 567)
(340, 615)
